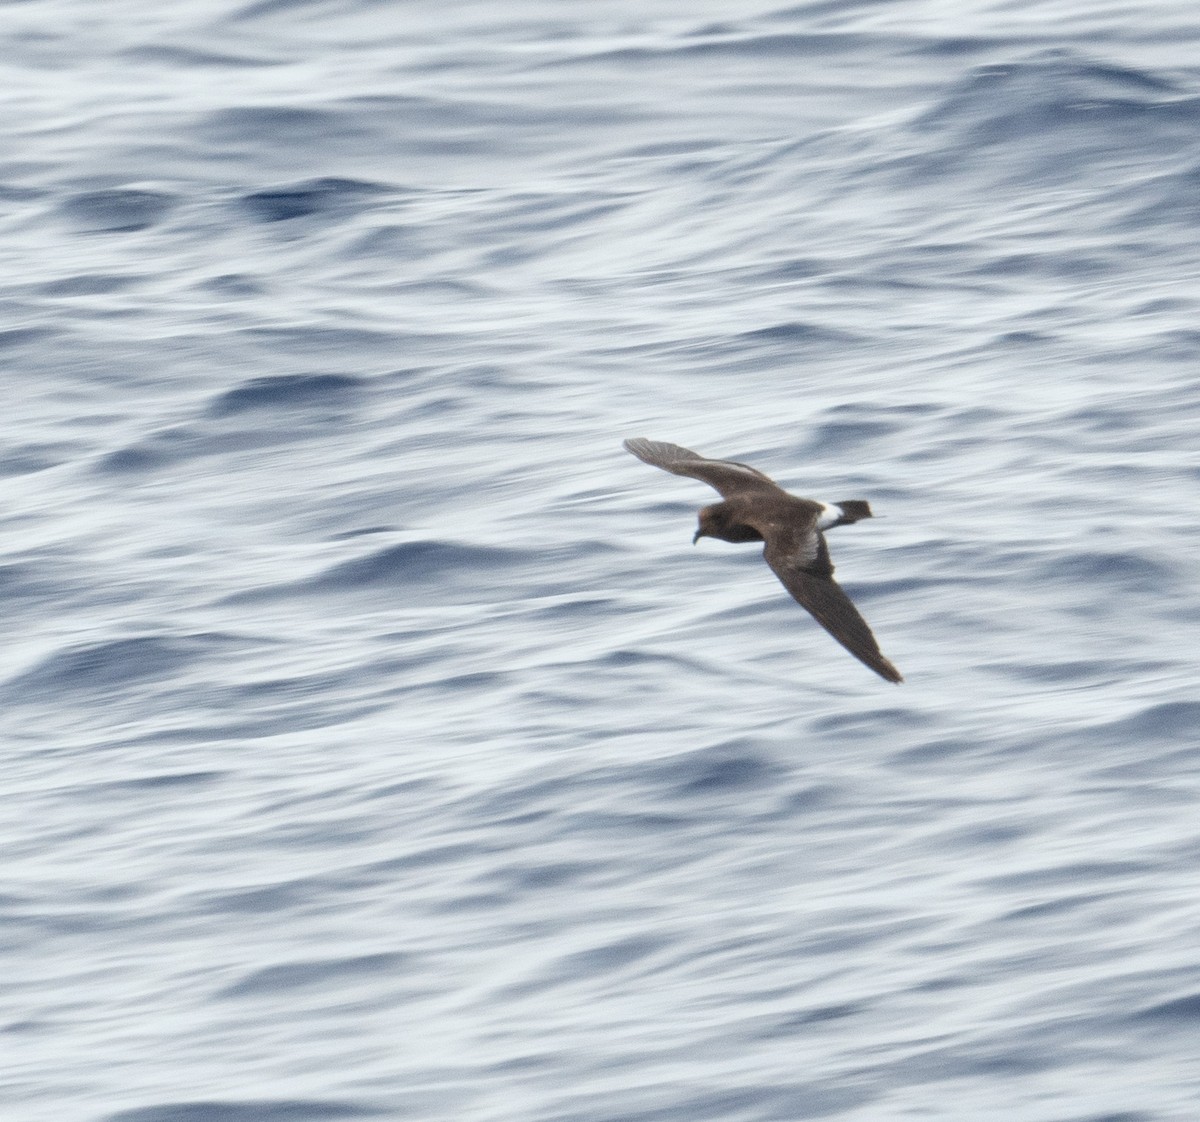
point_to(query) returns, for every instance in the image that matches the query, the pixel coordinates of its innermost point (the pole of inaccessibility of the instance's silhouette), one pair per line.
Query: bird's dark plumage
(758, 509)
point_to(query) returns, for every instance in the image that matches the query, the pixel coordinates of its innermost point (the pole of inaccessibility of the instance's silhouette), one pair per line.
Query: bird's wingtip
(889, 672)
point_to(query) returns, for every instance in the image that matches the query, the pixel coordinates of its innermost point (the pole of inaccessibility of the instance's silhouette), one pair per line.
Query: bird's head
(721, 521)
(709, 526)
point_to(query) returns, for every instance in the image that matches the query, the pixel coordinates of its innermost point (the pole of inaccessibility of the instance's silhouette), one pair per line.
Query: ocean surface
(376, 745)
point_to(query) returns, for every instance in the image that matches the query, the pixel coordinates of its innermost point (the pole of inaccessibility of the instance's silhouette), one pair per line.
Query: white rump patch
(830, 513)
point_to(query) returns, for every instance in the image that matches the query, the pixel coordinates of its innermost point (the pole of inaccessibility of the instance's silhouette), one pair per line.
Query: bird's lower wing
(727, 476)
(824, 599)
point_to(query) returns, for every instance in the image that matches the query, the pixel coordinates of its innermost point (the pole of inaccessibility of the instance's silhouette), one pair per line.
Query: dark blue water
(376, 744)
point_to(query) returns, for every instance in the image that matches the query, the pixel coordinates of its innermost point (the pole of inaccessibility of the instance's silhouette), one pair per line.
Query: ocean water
(376, 744)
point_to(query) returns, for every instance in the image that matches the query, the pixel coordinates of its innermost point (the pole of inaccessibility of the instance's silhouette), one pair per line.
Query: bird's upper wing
(726, 476)
(801, 561)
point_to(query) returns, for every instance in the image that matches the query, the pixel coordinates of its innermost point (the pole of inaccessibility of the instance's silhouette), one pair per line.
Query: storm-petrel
(756, 509)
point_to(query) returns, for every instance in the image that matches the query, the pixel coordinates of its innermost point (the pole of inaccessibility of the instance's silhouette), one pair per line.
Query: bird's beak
(697, 535)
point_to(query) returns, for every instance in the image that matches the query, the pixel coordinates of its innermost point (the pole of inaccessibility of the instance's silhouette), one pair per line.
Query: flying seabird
(757, 509)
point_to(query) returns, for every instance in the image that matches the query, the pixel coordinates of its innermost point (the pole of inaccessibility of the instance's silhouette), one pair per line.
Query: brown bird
(757, 509)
